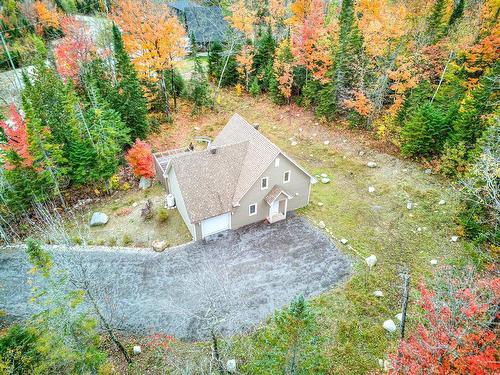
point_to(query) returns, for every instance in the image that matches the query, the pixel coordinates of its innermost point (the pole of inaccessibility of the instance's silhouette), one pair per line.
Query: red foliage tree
(141, 159)
(458, 333)
(17, 140)
(75, 49)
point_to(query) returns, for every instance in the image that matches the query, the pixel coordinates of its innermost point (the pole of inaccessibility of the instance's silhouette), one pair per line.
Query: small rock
(137, 349)
(344, 141)
(321, 224)
(294, 143)
(454, 238)
(389, 325)
(134, 204)
(144, 183)
(371, 260)
(311, 155)
(441, 202)
(361, 153)
(323, 175)
(409, 205)
(378, 293)
(434, 262)
(314, 134)
(326, 143)
(274, 127)
(231, 365)
(371, 189)
(196, 128)
(343, 241)
(428, 171)
(159, 246)
(404, 170)
(419, 229)
(300, 130)
(320, 204)
(399, 316)
(325, 180)
(371, 164)
(384, 364)
(98, 218)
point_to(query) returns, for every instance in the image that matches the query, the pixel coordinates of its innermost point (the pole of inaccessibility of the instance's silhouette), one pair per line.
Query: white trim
(289, 176)
(267, 183)
(277, 162)
(250, 205)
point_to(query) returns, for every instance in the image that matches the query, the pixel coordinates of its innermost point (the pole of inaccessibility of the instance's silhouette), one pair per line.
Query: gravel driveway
(231, 281)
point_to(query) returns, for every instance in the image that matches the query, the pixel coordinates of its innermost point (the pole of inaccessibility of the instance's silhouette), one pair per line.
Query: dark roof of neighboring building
(183, 4)
(207, 24)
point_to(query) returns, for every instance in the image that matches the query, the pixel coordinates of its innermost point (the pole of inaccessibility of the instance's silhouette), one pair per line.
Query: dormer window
(286, 177)
(264, 183)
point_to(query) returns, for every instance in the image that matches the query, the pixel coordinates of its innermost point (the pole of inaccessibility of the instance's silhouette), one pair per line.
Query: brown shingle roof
(260, 153)
(208, 180)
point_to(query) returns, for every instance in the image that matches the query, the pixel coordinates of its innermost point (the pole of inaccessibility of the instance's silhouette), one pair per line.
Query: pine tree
(199, 87)
(254, 87)
(458, 12)
(435, 23)
(264, 57)
(129, 100)
(218, 65)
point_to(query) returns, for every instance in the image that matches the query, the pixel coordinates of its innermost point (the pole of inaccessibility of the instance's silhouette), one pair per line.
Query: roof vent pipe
(213, 150)
(256, 126)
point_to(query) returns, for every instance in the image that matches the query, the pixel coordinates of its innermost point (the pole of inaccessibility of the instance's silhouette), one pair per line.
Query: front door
(275, 208)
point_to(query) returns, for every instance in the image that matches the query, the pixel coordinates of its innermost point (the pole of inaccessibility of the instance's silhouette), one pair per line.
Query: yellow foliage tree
(153, 37)
(242, 18)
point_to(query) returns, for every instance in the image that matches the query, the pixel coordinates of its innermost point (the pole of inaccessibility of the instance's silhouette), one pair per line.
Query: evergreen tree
(214, 59)
(129, 100)
(199, 87)
(435, 23)
(254, 87)
(263, 59)
(291, 344)
(425, 133)
(219, 64)
(458, 12)
(471, 120)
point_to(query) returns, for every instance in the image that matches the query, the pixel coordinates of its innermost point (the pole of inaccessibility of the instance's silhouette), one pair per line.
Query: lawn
(378, 222)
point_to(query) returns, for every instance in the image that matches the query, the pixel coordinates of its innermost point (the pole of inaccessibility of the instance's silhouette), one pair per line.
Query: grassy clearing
(374, 223)
(126, 227)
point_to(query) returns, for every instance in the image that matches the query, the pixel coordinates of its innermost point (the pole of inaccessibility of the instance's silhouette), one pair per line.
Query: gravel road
(232, 281)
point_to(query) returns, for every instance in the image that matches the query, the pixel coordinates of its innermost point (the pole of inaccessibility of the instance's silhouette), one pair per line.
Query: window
(263, 183)
(286, 177)
(277, 162)
(252, 209)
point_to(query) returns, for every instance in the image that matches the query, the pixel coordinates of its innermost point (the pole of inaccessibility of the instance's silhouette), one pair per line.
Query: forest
(420, 77)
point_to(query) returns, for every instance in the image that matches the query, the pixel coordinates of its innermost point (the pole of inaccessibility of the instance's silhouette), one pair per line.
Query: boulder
(196, 128)
(343, 241)
(326, 143)
(98, 218)
(434, 262)
(231, 366)
(441, 202)
(294, 143)
(389, 326)
(325, 180)
(323, 175)
(378, 293)
(144, 183)
(371, 189)
(361, 153)
(371, 164)
(454, 238)
(137, 349)
(428, 171)
(320, 204)
(371, 260)
(409, 205)
(321, 224)
(159, 246)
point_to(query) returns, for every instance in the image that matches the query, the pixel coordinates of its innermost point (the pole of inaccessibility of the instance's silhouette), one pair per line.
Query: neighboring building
(206, 24)
(241, 178)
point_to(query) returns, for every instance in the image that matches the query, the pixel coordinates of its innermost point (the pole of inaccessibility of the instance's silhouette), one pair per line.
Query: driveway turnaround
(229, 282)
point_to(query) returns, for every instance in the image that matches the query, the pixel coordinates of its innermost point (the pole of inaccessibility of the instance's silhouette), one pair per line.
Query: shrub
(127, 239)
(112, 241)
(453, 160)
(254, 87)
(162, 215)
(141, 159)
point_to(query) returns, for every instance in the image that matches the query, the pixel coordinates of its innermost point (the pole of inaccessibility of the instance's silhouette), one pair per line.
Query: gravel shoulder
(232, 281)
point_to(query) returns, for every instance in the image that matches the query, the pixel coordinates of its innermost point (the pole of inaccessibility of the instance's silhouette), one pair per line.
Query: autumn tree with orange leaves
(154, 38)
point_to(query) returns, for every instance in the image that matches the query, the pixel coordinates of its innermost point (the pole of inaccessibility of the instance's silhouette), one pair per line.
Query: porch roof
(275, 192)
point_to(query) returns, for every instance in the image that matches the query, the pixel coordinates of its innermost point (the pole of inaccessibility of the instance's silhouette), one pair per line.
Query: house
(205, 23)
(241, 178)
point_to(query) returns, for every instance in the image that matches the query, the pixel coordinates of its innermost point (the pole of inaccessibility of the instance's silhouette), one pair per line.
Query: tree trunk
(215, 349)
(174, 91)
(164, 91)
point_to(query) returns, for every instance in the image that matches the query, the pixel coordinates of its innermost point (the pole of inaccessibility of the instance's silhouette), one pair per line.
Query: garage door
(215, 224)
